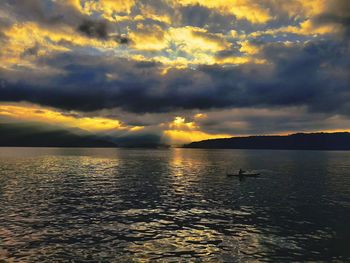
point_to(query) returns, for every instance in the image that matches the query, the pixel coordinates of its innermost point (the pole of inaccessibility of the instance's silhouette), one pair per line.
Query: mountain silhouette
(298, 141)
(36, 135)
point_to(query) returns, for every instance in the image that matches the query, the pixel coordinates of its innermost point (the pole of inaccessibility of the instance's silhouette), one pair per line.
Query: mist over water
(122, 205)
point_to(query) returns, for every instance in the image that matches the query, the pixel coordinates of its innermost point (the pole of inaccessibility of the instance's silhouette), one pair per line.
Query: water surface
(121, 205)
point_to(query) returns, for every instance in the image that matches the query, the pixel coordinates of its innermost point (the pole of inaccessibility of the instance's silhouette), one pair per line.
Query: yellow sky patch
(194, 39)
(51, 116)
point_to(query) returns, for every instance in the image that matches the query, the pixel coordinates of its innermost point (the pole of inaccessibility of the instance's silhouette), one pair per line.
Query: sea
(173, 205)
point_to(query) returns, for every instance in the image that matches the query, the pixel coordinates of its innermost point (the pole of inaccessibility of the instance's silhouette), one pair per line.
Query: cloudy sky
(176, 70)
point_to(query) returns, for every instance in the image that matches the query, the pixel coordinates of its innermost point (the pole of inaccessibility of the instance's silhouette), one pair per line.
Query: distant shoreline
(87, 147)
(169, 148)
(339, 141)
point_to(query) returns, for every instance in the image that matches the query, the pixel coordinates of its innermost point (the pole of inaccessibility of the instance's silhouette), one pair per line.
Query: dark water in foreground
(114, 205)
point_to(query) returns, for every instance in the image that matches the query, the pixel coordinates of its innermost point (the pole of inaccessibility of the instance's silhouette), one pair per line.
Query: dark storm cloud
(45, 13)
(314, 75)
(269, 121)
(95, 29)
(338, 13)
(32, 51)
(199, 16)
(325, 19)
(101, 30)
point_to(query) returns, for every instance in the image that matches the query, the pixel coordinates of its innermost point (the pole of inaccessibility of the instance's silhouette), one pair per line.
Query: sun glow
(180, 132)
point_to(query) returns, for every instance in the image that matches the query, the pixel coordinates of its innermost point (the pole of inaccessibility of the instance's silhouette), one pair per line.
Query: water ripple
(107, 205)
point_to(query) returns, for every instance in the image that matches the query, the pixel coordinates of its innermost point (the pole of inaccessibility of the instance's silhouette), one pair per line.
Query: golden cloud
(148, 38)
(108, 8)
(305, 28)
(173, 46)
(22, 37)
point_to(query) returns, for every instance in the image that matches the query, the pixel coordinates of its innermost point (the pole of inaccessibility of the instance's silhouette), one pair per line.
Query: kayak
(245, 175)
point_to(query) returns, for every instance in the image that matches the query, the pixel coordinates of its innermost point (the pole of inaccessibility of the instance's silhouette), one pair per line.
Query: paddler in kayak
(241, 172)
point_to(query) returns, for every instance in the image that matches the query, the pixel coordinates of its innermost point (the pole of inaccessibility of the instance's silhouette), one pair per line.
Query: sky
(176, 71)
